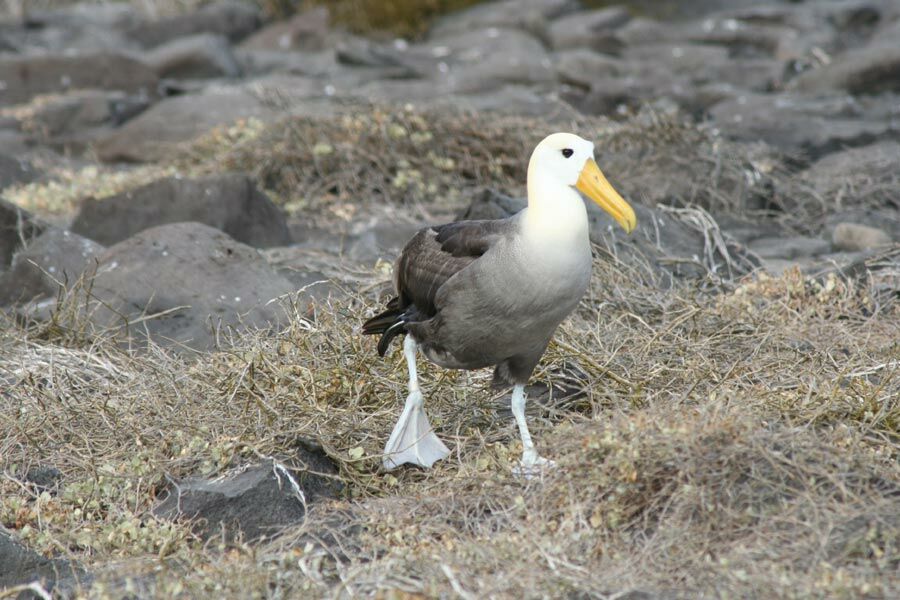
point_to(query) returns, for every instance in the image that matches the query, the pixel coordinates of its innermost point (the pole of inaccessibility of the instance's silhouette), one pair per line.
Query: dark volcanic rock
(198, 276)
(307, 31)
(805, 125)
(15, 170)
(77, 27)
(55, 257)
(71, 121)
(257, 500)
(196, 56)
(589, 29)
(234, 20)
(229, 202)
(864, 176)
(869, 70)
(789, 248)
(582, 67)
(487, 59)
(16, 227)
(24, 77)
(528, 15)
(153, 134)
(21, 566)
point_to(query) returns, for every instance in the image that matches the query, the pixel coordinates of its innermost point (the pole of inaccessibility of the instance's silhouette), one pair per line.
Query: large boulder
(197, 56)
(155, 133)
(866, 176)
(589, 29)
(21, 566)
(181, 281)
(17, 226)
(813, 126)
(257, 500)
(83, 26)
(16, 170)
(869, 70)
(527, 15)
(235, 20)
(55, 257)
(229, 202)
(306, 31)
(488, 59)
(24, 77)
(71, 121)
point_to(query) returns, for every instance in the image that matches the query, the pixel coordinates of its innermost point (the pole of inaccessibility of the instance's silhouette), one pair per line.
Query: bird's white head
(565, 159)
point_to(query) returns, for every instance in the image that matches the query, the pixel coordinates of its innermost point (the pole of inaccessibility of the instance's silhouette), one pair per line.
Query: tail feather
(388, 323)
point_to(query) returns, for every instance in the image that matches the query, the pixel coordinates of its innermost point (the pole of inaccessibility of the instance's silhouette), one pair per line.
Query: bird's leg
(413, 440)
(409, 351)
(531, 463)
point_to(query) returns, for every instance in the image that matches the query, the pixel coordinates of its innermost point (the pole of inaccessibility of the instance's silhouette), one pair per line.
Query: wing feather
(436, 254)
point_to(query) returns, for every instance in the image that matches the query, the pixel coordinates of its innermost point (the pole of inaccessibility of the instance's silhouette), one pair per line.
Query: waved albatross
(476, 294)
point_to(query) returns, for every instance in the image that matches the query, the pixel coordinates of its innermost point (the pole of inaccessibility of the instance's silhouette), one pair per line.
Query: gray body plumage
(478, 295)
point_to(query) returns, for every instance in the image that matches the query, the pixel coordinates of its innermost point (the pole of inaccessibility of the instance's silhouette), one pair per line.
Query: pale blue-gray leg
(531, 463)
(413, 440)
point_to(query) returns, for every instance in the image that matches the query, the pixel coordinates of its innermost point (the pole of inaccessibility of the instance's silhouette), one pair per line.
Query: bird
(491, 293)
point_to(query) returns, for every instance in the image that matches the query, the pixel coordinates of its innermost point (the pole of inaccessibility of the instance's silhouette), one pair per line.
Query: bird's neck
(556, 215)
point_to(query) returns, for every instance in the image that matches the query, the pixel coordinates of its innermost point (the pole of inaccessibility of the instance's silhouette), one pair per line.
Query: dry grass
(742, 445)
(424, 160)
(734, 444)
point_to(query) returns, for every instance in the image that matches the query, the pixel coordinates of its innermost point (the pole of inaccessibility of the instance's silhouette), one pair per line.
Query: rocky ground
(199, 208)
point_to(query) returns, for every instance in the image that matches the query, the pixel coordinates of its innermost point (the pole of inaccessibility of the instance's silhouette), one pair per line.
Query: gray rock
(16, 170)
(255, 501)
(23, 77)
(867, 176)
(22, 566)
(584, 67)
(853, 237)
(869, 70)
(153, 134)
(590, 29)
(72, 121)
(678, 10)
(789, 248)
(157, 132)
(44, 478)
(56, 257)
(306, 31)
(235, 20)
(488, 59)
(313, 64)
(77, 27)
(527, 15)
(741, 38)
(230, 202)
(358, 52)
(196, 56)
(804, 125)
(195, 277)
(702, 64)
(17, 227)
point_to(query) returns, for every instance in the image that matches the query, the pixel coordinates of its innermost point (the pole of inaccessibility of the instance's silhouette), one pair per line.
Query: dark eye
(567, 152)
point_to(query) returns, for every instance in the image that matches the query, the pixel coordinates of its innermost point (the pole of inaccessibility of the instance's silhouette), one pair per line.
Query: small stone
(852, 237)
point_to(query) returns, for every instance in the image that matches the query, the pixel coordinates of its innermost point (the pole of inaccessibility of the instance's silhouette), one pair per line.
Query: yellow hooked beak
(594, 185)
